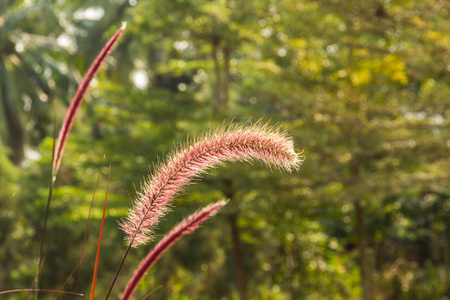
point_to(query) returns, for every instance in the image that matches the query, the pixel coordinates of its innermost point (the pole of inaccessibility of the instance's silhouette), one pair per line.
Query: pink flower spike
(237, 143)
(78, 98)
(186, 226)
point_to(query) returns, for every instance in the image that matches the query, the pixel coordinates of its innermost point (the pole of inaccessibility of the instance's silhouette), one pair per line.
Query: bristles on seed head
(239, 142)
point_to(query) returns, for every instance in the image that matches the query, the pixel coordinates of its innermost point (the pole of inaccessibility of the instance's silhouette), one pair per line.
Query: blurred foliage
(363, 87)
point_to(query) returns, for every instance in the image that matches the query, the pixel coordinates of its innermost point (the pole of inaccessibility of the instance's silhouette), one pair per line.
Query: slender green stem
(47, 210)
(40, 290)
(85, 230)
(4, 204)
(31, 289)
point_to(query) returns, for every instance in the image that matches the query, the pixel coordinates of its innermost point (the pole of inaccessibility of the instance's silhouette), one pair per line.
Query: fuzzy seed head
(245, 143)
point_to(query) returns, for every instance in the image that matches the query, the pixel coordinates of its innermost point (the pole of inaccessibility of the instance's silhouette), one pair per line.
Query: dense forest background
(362, 86)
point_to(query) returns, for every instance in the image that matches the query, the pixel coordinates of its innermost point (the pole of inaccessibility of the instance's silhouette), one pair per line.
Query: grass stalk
(94, 277)
(39, 290)
(85, 230)
(6, 202)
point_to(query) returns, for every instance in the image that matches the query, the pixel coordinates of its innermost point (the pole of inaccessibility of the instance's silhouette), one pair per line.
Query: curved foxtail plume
(78, 98)
(186, 226)
(245, 142)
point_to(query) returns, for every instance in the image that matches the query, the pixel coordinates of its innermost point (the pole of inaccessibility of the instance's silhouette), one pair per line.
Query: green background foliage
(362, 86)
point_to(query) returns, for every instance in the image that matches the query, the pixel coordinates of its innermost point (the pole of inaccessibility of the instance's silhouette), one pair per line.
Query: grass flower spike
(247, 142)
(186, 226)
(79, 95)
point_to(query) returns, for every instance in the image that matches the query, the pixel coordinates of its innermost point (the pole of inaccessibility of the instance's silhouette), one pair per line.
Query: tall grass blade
(149, 294)
(67, 280)
(32, 289)
(39, 290)
(85, 230)
(6, 202)
(94, 277)
(47, 208)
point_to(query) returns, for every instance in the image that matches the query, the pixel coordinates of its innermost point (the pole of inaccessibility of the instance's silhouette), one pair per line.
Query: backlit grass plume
(78, 98)
(186, 226)
(245, 142)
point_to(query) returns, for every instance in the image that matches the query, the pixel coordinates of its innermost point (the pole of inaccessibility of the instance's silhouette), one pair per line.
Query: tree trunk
(157, 55)
(361, 227)
(446, 249)
(238, 257)
(218, 89)
(226, 75)
(16, 135)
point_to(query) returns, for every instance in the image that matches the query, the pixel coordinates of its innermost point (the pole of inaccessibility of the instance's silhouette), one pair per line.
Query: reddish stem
(94, 278)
